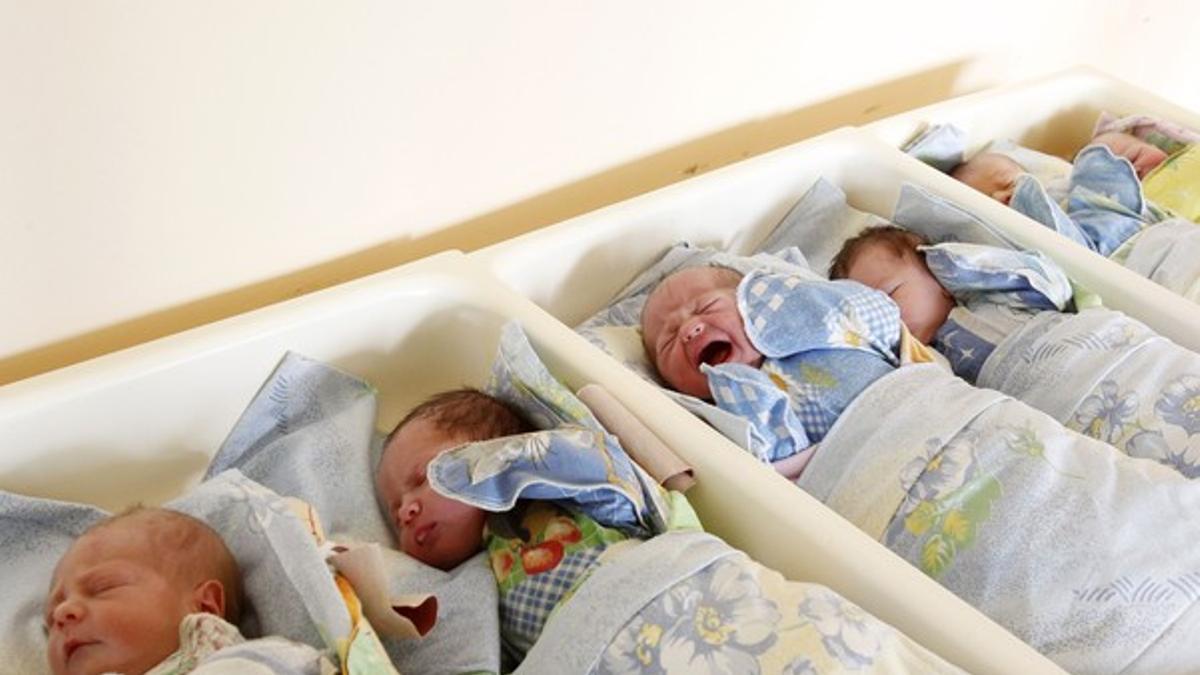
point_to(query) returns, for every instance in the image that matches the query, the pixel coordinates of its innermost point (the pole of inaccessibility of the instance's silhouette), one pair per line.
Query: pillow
(939, 220)
(288, 588)
(34, 534)
(310, 433)
(818, 224)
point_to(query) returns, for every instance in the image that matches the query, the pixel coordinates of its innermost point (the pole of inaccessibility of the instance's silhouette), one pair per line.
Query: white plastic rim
(1054, 114)
(141, 424)
(574, 267)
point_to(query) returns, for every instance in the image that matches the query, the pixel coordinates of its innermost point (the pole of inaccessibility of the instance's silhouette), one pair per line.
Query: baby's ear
(209, 597)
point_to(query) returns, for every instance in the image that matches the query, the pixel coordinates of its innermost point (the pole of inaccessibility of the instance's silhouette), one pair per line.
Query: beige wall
(166, 163)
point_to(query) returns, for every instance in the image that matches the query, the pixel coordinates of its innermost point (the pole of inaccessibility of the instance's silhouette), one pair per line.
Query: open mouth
(715, 352)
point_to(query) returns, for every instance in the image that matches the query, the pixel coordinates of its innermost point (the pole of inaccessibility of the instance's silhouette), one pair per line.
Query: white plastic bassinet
(141, 424)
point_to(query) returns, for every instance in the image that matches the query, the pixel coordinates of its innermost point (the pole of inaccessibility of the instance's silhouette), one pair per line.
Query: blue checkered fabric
(786, 314)
(525, 608)
(752, 394)
(825, 341)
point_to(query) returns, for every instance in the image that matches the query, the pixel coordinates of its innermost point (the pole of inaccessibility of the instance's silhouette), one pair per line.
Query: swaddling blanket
(997, 290)
(1109, 377)
(1099, 372)
(1086, 554)
(685, 602)
(824, 341)
(1106, 203)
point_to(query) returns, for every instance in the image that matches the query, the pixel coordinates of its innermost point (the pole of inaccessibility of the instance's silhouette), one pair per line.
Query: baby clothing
(997, 292)
(823, 343)
(563, 502)
(209, 645)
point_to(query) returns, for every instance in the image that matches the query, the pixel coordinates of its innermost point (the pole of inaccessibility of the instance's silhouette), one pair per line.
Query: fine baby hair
(118, 595)
(431, 527)
(889, 259)
(899, 241)
(467, 413)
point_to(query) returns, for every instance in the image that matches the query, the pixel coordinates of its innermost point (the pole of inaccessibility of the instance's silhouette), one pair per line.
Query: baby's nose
(693, 331)
(409, 511)
(66, 612)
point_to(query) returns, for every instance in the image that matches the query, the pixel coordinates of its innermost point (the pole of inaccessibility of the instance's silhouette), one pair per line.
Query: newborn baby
(805, 348)
(897, 262)
(526, 545)
(991, 173)
(155, 591)
(692, 319)
(430, 527)
(128, 587)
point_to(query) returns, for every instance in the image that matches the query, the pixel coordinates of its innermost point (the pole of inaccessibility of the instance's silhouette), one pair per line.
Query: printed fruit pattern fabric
(537, 536)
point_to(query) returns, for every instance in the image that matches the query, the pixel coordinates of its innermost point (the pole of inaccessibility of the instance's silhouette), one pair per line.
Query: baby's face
(436, 530)
(924, 303)
(692, 319)
(1144, 156)
(110, 609)
(991, 173)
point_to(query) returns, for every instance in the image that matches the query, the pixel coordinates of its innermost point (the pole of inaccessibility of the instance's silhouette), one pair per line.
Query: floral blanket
(685, 602)
(1088, 555)
(1109, 377)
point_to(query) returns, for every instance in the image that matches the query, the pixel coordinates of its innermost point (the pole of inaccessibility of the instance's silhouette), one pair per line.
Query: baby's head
(692, 318)
(886, 259)
(1145, 157)
(430, 527)
(119, 593)
(991, 173)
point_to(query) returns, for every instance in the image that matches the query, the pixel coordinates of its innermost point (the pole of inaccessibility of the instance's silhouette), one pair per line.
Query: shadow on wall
(613, 185)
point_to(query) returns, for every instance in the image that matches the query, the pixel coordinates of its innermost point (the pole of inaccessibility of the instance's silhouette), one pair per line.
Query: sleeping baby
(1001, 318)
(597, 558)
(945, 298)
(155, 591)
(533, 538)
(1122, 197)
(995, 174)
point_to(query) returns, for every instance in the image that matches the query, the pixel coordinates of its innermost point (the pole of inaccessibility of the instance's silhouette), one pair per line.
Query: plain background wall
(166, 163)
